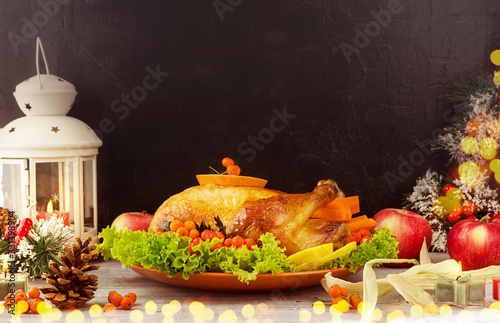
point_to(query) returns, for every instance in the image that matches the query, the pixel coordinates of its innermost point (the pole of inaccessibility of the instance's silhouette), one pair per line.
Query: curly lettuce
(382, 246)
(170, 254)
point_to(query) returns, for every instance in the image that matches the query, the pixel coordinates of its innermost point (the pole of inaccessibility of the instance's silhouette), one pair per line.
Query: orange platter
(229, 283)
(231, 180)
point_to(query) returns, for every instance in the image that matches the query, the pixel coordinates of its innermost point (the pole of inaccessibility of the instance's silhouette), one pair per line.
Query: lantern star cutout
(12, 129)
(55, 129)
(28, 106)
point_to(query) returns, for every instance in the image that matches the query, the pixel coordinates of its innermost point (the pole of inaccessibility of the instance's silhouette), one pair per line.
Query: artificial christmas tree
(469, 189)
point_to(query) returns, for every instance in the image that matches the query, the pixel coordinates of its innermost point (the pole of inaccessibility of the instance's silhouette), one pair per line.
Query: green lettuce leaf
(170, 254)
(382, 246)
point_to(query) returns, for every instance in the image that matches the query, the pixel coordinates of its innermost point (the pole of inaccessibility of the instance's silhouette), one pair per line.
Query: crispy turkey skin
(251, 211)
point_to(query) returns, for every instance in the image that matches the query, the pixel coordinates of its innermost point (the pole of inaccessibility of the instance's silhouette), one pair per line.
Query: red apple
(409, 229)
(134, 221)
(475, 243)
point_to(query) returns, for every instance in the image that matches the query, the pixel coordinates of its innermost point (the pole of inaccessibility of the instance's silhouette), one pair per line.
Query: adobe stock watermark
(363, 36)
(222, 6)
(132, 99)
(255, 143)
(417, 157)
(31, 27)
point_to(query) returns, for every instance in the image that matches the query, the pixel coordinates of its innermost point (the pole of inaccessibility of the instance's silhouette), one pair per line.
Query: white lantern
(48, 159)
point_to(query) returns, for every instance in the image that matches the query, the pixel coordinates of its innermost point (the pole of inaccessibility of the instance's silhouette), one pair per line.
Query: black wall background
(363, 119)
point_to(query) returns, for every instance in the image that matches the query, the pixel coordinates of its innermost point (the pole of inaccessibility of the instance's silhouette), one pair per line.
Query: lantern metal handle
(40, 46)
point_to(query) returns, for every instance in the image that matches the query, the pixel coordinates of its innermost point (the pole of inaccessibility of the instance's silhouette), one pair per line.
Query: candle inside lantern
(50, 213)
(461, 291)
(10, 282)
(496, 286)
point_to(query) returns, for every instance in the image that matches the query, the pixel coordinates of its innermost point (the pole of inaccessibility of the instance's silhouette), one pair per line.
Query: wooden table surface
(195, 306)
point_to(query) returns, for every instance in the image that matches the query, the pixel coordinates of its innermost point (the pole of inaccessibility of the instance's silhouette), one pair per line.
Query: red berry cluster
(468, 208)
(208, 235)
(363, 235)
(339, 293)
(20, 232)
(25, 304)
(231, 168)
(115, 300)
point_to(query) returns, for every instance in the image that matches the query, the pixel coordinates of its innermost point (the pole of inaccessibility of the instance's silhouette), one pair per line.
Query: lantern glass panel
(12, 186)
(89, 195)
(47, 186)
(55, 185)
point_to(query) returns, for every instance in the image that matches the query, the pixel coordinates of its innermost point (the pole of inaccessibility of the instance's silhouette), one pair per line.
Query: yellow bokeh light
(171, 308)
(342, 306)
(54, 314)
(469, 145)
(21, 307)
(377, 314)
(228, 316)
(488, 148)
(497, 176)
(196, 308)
(248, 311)
(455, 194)
(416, 311)
(136, 316)
(465, 316)
(495, 165)
(75, 316)
(304, 316)
(395, 315)
(262, 309)
(150, 307)
(168, 319)
(176, 305)
(494, 128)
(496, 78)
(431, 308)
(319, 307)
(199, 318)
(468, 173)
(495, 306)
(101, 320)
(43, 308)
(95, 310)
(209, 314)
(445, 309)
(495, 57)
(15, 319)
(443, 205)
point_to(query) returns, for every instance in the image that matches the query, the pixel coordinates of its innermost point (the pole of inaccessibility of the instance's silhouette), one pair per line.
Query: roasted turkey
(252, 211)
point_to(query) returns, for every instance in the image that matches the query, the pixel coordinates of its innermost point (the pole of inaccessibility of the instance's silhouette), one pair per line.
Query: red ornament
(453, 217)
(498, 96)
(447, 188)
(469, 208)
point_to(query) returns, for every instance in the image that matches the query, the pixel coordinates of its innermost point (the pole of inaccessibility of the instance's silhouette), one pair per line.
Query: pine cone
(4, 219)
(72, 285)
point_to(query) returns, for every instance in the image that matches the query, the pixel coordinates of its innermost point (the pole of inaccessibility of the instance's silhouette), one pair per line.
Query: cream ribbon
(411, 284)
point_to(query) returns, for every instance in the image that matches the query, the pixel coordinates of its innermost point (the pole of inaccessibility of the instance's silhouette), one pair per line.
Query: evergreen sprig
(42, 244)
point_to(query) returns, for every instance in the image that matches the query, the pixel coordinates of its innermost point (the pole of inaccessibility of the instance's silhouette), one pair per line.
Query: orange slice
(231, 180)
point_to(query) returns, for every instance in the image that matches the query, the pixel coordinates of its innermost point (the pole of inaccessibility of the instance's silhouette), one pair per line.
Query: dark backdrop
(294, 91)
